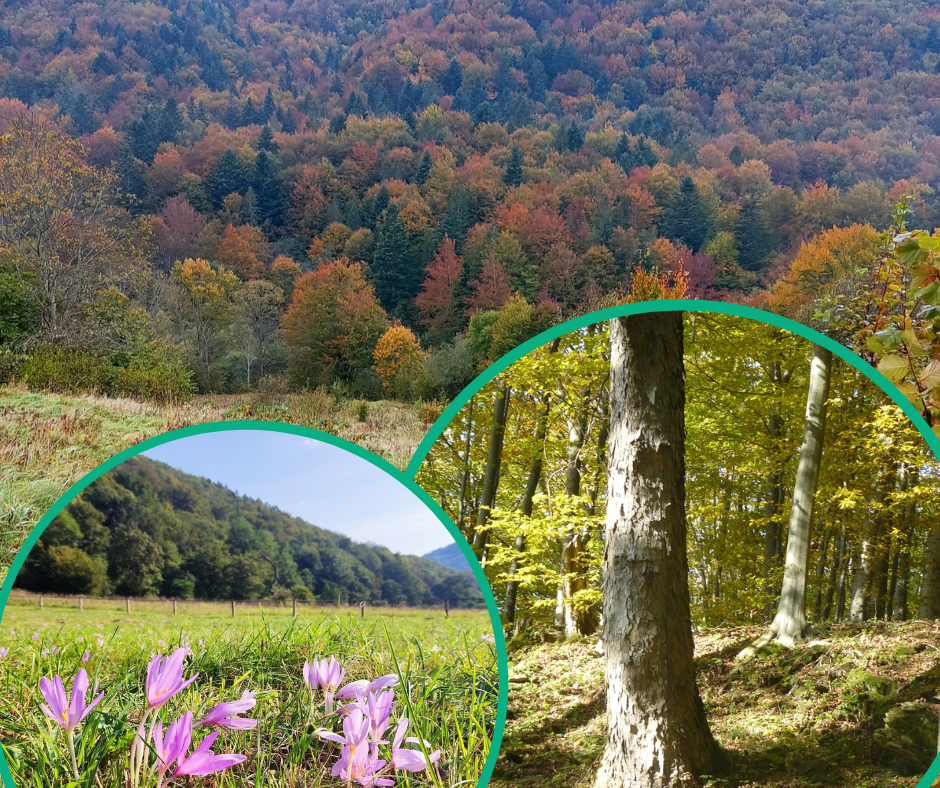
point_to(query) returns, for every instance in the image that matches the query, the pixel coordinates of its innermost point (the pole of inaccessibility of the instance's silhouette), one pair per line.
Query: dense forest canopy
(874, 535)
(439, 180)
(145, 528)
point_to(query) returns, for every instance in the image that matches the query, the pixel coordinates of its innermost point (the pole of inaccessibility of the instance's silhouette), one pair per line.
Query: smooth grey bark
(465, 476)
(494, 455)
(773, 501)
(789, 625)
(658, 735)
(863, 574)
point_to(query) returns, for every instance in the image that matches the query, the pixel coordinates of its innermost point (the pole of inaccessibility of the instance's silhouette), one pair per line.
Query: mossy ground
(790, 719)
(49, 441)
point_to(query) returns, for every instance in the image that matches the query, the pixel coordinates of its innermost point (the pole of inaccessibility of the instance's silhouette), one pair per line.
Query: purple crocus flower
(175, 746)
(377, 709)
(165, 678)
(86, 656)
(352, 689)
(223, 714)
(4, 652)
(361, 766)
(409, 760)
(355, 730)
(59, 710)
(328, 674)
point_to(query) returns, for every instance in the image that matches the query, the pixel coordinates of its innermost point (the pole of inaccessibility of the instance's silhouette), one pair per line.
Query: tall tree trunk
(930, 584)
(577, 621)
(840, 591)
(863, 572)
(789, 625)
(494, 455)
(900, 612)
(532, 484)
(838, 567)
(658, 735)
(465, 476)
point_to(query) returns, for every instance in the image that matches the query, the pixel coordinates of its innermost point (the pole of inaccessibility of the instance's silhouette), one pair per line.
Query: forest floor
(791, 719)
(49, 441)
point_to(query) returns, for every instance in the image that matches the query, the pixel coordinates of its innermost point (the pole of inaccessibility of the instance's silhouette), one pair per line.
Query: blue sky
(320, 483)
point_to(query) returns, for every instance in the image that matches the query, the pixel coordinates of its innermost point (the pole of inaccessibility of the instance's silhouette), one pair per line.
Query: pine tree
(266, 140)
(575, 137)
(643, 154)
(424, 169)
(751, 235)
(685, 218)
(397, 278)
(268, 107)
(268, 190)
(226, 177)
(513, 175)
(452, 80)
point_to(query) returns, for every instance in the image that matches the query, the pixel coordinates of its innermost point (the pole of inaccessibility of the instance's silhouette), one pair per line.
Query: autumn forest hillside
(386, 196)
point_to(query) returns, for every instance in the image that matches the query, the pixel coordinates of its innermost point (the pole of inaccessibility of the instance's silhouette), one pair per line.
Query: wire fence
(129, 604)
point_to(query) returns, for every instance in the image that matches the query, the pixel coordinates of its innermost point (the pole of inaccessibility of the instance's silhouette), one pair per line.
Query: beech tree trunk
(789, 625)
(658, 735)
(930, 585)
(465, 476)
(857, 611)
(494, 457)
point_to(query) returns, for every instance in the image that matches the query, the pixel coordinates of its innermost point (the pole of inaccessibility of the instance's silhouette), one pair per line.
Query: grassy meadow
(49, 441)
(447, 665)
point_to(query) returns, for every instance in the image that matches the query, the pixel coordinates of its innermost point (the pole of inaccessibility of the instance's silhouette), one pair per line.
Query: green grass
(449, 676)
(49, 441)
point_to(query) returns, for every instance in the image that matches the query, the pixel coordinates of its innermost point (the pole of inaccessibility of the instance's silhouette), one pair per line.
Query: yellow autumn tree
(821, 265)
(399, 361)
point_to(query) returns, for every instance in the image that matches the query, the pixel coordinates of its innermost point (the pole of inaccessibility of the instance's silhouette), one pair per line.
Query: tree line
(146, 529)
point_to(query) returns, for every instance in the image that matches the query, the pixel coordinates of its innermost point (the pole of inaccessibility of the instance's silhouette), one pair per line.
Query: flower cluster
(365, 720)
(364, 710)
(164, 680)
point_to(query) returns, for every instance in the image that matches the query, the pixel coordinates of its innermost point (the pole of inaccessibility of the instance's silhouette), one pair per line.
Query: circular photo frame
(176, 614)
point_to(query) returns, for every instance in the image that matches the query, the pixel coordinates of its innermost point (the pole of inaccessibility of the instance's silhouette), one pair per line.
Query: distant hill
(450, 556)
(145, 528)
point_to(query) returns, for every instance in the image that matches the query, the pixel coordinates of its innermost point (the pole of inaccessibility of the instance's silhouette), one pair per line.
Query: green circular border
(681, 305)
(333, 440)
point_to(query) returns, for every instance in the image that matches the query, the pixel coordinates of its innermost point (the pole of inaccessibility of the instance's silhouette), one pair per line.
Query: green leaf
(893, 367)
(910, 252)
(910, 391)
(889, 339)
(930, 294)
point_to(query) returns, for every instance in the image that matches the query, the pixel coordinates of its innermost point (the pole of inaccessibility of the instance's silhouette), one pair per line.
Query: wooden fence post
(127, 603)
(81, 603)
(339, 601)
(295, 606)
(174, 607)
(362, 610)
(41, 604)
(446, 608)
(233, 608)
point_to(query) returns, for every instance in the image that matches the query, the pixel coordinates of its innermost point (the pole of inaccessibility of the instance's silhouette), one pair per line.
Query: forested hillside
(386, 196)
(145, 528)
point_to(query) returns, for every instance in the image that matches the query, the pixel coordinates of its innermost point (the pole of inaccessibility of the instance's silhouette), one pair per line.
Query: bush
(72, 371)
(10, 365)
(366, 384)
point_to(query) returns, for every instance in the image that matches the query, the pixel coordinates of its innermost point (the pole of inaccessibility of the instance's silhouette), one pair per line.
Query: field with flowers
(264, 699)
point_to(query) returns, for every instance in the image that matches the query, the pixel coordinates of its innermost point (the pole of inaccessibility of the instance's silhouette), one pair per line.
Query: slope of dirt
(805, 717)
